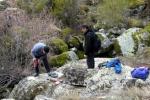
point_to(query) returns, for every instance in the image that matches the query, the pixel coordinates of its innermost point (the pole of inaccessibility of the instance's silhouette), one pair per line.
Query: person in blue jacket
(39, 52)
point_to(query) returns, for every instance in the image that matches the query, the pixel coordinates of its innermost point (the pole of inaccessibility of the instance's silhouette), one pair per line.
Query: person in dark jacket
(39, 52)
(89, 45)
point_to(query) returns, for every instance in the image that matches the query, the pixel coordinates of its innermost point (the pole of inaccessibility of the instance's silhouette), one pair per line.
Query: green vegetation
(111, 12)
(32, 6)
(66, 10)
(66, 31)
(135, 22)
(58, 45)
(59, 60)
(74, 42)
(135, 3)
(80, 54)
(117, 47)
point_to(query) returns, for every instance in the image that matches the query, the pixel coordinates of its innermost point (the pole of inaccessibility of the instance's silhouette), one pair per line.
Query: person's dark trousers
(90, 60)
(37, 69)
(45, 62)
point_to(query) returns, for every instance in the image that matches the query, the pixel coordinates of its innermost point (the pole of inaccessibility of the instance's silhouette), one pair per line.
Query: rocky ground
(80, 83)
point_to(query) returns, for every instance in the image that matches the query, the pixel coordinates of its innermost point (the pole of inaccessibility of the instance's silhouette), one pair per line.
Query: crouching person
(39, 52)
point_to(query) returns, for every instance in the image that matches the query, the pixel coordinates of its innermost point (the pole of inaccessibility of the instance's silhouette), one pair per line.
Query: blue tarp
(140, 73)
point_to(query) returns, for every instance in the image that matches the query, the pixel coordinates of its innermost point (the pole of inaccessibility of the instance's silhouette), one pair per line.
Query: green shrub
(111, 12)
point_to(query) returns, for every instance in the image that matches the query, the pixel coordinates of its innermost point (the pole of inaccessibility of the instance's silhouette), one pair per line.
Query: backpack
(140, 73)
(97, 44)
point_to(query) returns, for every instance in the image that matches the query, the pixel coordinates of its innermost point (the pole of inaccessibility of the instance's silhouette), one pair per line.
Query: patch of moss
(80, 54)
(117, 47)
(74, 42)
(100, 37)
(58, 45)
(59, 60)
(147, 28)
(136, 39)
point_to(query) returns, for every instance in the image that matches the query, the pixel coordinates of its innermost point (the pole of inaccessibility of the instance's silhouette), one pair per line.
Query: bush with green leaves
(111, 12)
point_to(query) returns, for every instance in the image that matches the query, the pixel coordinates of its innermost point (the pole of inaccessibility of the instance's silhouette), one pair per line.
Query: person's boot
(35, 74)
(52, 74)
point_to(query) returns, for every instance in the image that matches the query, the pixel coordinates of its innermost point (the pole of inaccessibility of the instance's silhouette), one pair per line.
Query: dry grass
(136, 93)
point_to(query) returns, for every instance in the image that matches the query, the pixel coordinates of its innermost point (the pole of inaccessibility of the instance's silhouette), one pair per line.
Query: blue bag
(116, 64)
(140, 73)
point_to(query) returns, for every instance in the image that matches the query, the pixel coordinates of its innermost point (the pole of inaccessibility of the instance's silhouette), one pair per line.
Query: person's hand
(35, 62)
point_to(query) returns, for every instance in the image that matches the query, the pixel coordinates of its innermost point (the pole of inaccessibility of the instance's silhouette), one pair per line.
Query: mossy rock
(76, 42)
(80, 54)
(143, 36)
(117, 47)
(59, 60)
(125, 44)
(100, 36)
(58, 45)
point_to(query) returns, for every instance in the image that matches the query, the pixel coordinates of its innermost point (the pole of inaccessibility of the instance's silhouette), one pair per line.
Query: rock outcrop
(84, 83)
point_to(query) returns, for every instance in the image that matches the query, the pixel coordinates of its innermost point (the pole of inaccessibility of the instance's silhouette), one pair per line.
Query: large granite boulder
(132, 40)
(106, 44)
(31, 86)
(125, 43)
